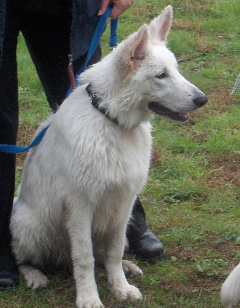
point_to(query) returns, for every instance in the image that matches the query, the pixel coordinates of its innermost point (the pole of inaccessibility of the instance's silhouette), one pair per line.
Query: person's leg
(143, 243)
(8, 133)
(48, 41)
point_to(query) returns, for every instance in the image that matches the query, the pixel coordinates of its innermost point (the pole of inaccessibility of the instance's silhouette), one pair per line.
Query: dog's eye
(161, 76)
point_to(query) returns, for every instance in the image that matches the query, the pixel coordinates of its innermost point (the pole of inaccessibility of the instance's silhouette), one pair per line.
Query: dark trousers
(137, 224)
(47, 39)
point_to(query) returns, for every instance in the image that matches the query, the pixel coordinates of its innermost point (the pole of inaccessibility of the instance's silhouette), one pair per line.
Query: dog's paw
(35, 279)
(130, 269)
(128, 293)
(89, 302)
(38, 283)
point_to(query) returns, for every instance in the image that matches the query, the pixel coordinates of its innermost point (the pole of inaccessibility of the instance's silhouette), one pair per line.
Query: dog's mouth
(163, 111)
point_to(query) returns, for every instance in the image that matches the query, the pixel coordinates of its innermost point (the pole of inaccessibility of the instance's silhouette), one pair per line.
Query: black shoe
(148, 247)
(8, 280)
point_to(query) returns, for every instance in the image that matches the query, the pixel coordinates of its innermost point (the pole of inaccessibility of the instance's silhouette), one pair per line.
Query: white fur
(230, 291)
(80, 182)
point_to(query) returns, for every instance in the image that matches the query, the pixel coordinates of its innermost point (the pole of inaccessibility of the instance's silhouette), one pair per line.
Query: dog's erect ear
(134, 50)
(160, 26)
(138, 46)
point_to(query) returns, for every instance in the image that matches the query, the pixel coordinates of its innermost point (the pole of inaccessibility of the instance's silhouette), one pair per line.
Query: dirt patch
(202, 282)
(24, 137)
(221, 98)
(227, 249)
(226, 169)
(183, 24)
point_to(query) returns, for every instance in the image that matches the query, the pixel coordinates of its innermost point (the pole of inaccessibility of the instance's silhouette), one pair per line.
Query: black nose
(199, 101)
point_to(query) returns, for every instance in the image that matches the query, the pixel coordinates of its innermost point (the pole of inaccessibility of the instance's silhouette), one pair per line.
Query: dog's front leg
(113, 263)
(79, 225)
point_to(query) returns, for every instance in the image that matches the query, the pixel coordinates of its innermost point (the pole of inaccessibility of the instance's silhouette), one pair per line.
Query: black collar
(95, 100)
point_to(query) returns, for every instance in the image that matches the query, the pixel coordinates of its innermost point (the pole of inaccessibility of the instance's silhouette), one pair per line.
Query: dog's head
(141, 77)
(147, 67)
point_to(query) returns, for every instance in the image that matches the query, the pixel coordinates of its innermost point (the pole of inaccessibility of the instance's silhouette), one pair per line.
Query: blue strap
(95, 40)
(7, 148)
(113, 35)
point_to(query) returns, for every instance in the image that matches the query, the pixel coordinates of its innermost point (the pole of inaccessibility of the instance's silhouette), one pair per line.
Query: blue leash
(95, 40)
(6, 148)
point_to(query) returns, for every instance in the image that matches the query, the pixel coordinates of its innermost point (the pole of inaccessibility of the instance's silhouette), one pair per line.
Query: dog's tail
(230, 291)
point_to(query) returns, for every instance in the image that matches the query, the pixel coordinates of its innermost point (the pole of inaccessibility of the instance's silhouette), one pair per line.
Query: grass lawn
(192, 199)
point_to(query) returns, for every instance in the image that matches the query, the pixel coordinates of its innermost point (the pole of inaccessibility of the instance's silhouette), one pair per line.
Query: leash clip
(70, 58)
(70, 72)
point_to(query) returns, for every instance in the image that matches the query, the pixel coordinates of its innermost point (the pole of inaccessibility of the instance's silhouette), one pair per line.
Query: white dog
(80, 182)
(230, 292)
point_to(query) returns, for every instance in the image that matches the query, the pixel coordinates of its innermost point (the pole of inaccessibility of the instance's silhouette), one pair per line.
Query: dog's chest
(100, 158)
(117, 158)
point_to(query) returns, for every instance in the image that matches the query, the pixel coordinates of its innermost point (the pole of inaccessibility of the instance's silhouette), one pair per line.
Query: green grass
(192, 199)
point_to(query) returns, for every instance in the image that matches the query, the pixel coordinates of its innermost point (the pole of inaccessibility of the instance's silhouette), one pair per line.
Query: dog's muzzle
(167, 113)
